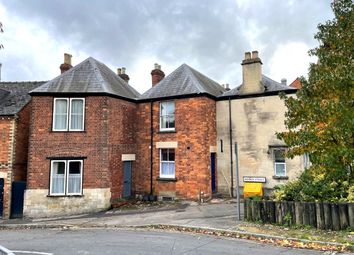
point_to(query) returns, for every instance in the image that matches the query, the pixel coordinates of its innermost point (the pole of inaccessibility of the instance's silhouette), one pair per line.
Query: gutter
(151, 146)
(231, 160)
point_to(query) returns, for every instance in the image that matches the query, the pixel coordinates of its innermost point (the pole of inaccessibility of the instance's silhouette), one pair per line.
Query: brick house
(94, 139)
(81, 133)
(176, 134)
(14, 131)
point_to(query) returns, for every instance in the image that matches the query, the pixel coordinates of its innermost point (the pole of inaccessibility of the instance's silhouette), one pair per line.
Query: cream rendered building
(255, 113)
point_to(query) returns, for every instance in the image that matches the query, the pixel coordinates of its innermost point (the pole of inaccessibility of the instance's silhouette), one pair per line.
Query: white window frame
(279, 163)
(51, 178)
(83, 114)
(174, 107)
(66, 177)
(162, 176)
(68, 114)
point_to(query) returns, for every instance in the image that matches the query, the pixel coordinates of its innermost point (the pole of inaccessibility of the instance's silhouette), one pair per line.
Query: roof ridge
(93, 62)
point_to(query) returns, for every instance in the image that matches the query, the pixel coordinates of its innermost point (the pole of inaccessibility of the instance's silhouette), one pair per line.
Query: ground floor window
(167, 163)
(66, 177)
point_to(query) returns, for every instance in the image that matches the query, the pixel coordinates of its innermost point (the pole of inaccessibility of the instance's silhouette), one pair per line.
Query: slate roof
(269, 84)
(184, 81)
(90, 76)
(14, 96)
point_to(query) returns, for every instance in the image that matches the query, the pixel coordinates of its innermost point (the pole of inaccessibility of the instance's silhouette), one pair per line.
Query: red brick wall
(6, 124)
(21, 144)
(122, 140)
(5, 127)
(195, 128)
(109, 132)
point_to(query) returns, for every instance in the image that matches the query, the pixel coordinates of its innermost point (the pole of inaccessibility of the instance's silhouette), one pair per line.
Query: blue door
(1, 195)
(213, 176)
(127, 177)
(17, 196)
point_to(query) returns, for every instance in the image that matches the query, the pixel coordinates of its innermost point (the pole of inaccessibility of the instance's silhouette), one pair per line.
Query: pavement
(218, 216)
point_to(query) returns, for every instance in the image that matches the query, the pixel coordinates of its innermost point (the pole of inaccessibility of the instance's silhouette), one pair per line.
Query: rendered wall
(254, 124)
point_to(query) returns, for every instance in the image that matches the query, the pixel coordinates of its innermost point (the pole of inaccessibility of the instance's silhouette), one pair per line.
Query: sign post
(237, 186)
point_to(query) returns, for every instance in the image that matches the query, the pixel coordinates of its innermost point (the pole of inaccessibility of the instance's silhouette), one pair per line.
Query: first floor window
(66, 177)
(167, 116)
(68, 114)
(279, 162)
(167, 163)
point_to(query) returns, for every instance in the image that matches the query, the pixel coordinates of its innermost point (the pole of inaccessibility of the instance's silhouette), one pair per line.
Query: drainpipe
(151, 146)
(231, 161)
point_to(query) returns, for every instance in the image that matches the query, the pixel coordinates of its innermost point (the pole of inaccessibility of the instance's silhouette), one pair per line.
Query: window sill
(167, 131)
(68, 131)
(65, 195)
(275, 177)
(161, 179)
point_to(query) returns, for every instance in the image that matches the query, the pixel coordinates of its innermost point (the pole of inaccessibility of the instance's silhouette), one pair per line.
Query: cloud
(209, 35)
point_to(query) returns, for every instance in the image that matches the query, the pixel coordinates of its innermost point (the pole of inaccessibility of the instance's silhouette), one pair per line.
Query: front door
(17, 196)
(213, 176)
(1, 195)
(127, 177)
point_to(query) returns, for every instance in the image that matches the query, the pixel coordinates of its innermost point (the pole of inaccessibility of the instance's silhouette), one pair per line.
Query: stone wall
(254, 124)
(38, 204)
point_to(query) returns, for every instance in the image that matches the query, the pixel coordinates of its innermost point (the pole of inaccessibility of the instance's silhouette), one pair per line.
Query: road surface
(121, 242)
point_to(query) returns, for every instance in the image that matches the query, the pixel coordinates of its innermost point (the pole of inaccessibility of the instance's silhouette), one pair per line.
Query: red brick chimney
(67, 63)
(121, 73)
(157, 75)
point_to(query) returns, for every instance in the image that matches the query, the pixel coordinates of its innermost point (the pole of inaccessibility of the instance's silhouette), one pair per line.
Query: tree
(320, 120)
(1, 31)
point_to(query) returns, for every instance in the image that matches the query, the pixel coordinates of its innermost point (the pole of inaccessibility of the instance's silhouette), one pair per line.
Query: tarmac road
(122, 241)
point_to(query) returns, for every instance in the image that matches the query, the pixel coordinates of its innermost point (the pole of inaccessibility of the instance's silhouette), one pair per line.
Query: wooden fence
(334, 216)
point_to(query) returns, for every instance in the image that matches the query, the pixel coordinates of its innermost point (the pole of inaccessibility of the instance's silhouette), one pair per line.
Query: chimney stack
(121, 73)
(157, 74)
(67, 63)
(252, 74)
(227, 87)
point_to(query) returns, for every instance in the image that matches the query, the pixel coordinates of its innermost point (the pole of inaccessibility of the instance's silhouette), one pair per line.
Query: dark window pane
(164, 154)
(61, 167)
(279, 155)
(171, 155)
(75, 167)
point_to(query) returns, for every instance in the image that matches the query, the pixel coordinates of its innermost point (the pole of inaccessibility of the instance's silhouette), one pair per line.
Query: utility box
(253, 189)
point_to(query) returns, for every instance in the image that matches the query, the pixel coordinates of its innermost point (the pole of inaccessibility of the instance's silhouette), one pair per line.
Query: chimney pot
(247, 55)
(123, 75)
(227, 87)
(156, 66)
(254, 54)
(67, 58)
(283, 81)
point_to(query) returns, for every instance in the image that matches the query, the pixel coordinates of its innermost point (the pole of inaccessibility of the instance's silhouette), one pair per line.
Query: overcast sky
(209, 35)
